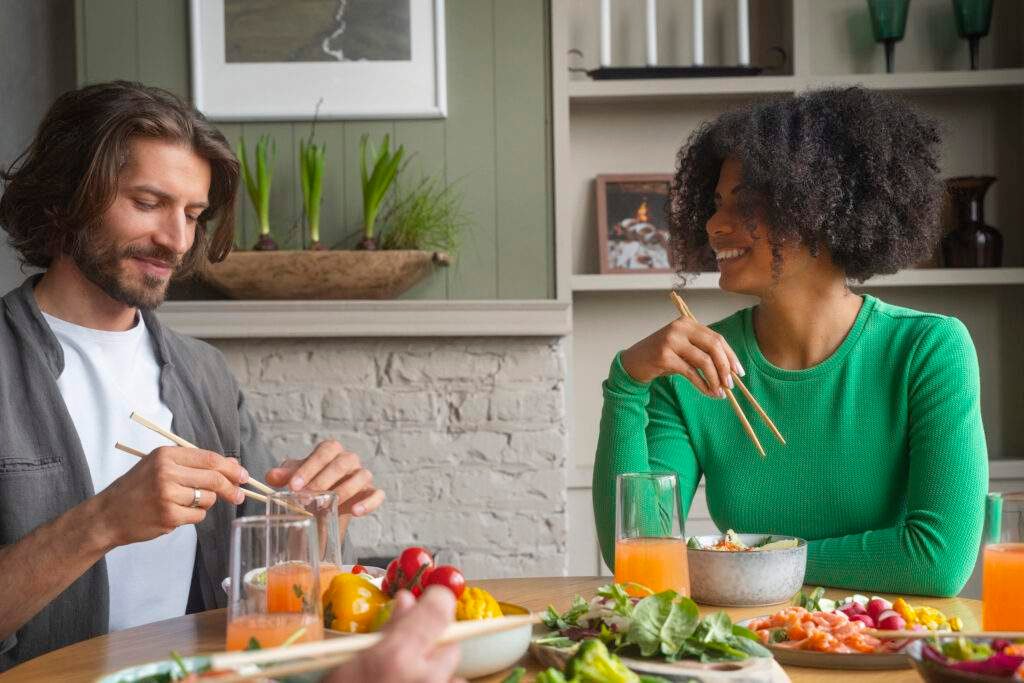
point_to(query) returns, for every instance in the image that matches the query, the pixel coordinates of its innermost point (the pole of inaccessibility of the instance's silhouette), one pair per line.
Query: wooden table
(204, 632)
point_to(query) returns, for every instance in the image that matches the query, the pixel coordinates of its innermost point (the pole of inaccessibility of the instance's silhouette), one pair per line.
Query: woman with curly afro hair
(885, 470)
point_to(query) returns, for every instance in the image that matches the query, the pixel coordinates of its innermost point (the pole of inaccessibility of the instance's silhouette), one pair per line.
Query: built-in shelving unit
(637, 126)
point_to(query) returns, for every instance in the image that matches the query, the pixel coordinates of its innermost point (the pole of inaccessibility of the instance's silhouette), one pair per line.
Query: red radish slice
(892, 623)
(853, 609)
(885, 614)
(877, 606)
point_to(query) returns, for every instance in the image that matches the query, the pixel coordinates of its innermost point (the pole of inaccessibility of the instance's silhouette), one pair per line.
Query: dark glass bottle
(972, 243)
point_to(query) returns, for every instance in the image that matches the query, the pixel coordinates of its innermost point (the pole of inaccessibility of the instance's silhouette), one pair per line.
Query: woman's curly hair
(848, 170)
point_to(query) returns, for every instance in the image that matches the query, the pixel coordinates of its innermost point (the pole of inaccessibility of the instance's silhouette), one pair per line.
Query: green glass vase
(973, 18)
(888, 23)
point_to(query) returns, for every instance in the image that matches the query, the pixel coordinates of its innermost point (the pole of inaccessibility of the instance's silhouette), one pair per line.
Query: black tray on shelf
(623, 72)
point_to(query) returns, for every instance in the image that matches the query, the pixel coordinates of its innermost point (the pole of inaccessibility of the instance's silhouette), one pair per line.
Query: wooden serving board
(752, 670)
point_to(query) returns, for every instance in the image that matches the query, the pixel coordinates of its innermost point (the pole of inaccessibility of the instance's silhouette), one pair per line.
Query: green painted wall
(495, 142)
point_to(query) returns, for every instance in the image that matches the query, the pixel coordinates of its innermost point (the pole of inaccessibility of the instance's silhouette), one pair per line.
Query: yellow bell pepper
(904, 609)
(476, 603)
(351, 603)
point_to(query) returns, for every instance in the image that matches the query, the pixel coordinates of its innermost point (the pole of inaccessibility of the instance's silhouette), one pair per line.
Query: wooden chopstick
(139, 454)
(328, 653)
(255, 483)
(685, 310)
(902, 635)
(1014, 496)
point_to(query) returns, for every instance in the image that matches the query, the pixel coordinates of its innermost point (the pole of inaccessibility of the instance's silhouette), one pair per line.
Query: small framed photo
(632, 222)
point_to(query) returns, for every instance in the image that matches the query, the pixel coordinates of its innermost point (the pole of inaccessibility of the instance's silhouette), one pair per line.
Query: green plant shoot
(311, 174)
(377, 182)
(258, 185)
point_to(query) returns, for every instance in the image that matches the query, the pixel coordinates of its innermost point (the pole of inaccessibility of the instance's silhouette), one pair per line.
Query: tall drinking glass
(1002, 570)
(649, 544)
(261, 615)
(322, 506)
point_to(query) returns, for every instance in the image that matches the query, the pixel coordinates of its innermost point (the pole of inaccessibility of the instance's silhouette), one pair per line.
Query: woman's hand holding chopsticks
(171, 487)
(683, 347)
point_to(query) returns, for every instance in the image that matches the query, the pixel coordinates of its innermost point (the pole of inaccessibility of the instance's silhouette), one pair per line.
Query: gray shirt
(43, 470)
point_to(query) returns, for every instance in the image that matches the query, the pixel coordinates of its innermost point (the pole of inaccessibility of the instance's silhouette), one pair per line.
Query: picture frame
(385, 60)
(632, 223)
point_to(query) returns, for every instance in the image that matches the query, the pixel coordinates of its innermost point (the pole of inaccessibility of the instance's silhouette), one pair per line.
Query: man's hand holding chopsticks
(331, 468)
(169, 488)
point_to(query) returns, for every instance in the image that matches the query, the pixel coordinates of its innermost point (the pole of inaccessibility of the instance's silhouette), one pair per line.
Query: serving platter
(851, 661)
(751, 670)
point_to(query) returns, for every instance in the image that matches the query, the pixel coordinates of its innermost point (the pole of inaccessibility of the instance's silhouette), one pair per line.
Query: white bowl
(492, 653)
(746, 579)
(376, 575)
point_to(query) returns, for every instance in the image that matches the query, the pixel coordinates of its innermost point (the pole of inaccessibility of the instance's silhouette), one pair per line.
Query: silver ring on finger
(196, 497)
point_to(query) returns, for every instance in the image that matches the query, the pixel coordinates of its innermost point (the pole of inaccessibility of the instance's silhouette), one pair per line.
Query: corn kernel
(956, 624)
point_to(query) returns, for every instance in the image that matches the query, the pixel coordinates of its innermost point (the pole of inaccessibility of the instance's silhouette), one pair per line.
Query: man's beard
(100, 261)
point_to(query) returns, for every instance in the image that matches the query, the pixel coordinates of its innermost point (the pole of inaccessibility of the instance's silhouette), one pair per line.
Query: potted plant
(408, 229)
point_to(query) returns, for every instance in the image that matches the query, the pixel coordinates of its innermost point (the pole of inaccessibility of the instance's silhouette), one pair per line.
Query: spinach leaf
(718, 627)
(682, 620)
(649, 615)
(662, 623)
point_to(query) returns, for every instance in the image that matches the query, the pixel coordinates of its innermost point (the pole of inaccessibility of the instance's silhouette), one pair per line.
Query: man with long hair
(123, 187)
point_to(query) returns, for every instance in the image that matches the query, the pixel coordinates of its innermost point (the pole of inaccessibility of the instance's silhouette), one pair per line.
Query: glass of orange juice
(275, 582)
(649, 546)
(1002, 570)
(322, 506)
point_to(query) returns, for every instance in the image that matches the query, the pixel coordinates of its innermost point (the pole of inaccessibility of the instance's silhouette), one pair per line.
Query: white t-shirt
(107, 375)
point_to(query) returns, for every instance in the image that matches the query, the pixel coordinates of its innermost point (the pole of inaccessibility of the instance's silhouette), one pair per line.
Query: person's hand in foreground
(407, 653)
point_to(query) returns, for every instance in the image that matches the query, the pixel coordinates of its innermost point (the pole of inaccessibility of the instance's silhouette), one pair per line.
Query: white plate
(852, 661)
(751, 670)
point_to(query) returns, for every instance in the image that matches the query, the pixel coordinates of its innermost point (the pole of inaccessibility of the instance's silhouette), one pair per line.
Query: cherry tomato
(447, 576)
(390, 583)
(410, 562)
(358, 569)
(408, 571)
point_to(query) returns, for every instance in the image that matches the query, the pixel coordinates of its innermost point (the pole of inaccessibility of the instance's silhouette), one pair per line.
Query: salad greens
(593, 663)
(664, 624)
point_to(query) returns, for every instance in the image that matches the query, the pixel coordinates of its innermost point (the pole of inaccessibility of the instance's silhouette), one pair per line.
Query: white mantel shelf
(401, 318)
(914, 277)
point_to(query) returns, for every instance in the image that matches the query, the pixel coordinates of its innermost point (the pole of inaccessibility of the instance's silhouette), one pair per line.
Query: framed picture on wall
(273, 60)
(632, 226)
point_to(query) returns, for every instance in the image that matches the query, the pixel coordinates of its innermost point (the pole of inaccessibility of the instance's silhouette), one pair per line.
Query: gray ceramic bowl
(746, 579)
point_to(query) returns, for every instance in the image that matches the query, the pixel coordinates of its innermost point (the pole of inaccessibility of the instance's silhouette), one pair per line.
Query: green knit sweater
(885, 469)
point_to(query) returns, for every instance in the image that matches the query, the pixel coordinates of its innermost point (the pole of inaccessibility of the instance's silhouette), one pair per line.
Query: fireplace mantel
(399, 318)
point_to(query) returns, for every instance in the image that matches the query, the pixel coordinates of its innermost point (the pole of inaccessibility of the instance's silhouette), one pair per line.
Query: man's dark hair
(848, 170)
(58, 189)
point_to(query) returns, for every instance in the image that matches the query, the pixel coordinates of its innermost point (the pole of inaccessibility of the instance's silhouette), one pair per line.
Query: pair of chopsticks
(685, 312)
(255, 483)
(325, 654)
(908, 635)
